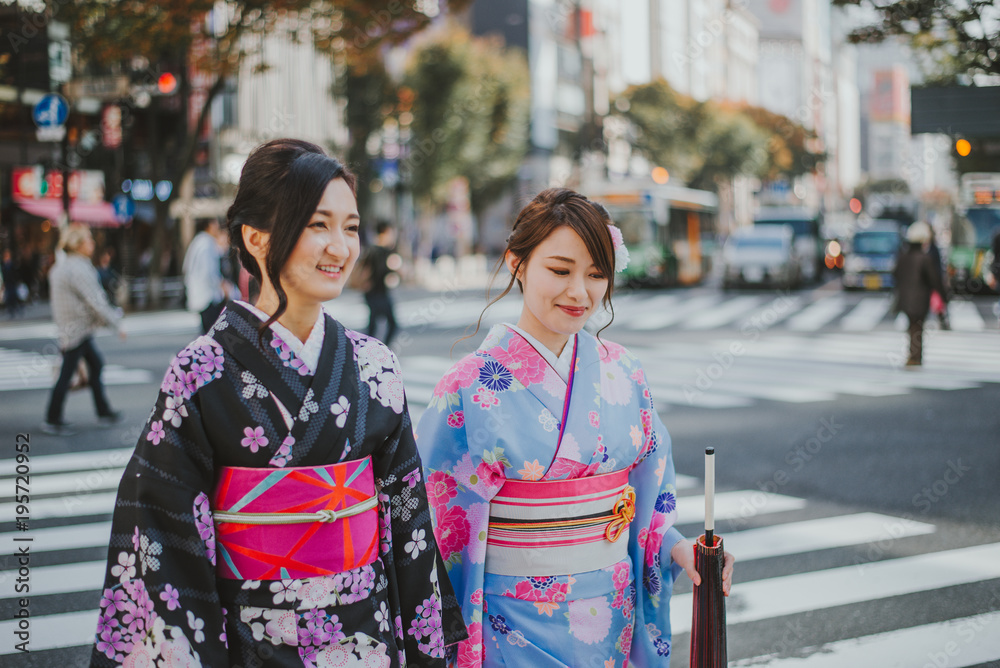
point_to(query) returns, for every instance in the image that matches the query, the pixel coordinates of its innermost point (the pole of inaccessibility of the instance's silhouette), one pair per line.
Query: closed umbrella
(708, 624)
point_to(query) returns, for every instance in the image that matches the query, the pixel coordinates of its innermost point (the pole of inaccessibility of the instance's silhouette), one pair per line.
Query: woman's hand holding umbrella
(683, 555)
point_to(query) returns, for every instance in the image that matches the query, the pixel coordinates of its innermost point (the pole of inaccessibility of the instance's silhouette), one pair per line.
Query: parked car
(870, 256)
(763, 256)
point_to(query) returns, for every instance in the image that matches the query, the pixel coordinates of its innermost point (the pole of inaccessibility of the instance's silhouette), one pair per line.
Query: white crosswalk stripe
(967, 641)
(786, 526)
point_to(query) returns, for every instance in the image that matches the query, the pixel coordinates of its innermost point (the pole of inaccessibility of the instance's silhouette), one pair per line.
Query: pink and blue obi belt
(558, 527)
(298, 522)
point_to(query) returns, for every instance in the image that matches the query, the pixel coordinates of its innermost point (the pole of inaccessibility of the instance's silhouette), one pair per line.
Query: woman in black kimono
(275, 497)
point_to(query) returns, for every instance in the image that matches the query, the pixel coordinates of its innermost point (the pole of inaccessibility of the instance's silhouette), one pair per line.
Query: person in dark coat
(916, 278)
(379, 264)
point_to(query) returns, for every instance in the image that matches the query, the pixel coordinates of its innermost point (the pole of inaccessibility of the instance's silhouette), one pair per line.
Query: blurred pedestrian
(79, 307)
(11, 282)
(916, 278)
(377, 273)
(205, 286)
(939, 300)
(993, 271)
(110, 279)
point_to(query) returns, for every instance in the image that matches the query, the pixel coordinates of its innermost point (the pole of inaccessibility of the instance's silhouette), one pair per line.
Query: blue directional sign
(51, 111)
(124, 207)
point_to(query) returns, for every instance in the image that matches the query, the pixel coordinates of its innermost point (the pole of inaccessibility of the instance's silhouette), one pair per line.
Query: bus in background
(808, 238)
(669, 230)
(972, 231)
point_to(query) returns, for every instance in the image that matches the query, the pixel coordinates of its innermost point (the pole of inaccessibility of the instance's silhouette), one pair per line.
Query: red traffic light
(167, 83)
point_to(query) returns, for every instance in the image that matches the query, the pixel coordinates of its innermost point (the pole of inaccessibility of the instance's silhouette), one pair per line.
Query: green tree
(959, 38)
(702, 143)
(111, 33)
(788, 153)
(471, 111)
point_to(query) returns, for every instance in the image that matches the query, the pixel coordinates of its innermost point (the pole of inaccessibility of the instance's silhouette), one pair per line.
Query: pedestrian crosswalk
(844, 560)
(720, 369)
(680, 310)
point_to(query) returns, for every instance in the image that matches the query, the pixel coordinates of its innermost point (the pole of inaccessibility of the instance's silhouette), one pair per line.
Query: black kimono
(227, 400)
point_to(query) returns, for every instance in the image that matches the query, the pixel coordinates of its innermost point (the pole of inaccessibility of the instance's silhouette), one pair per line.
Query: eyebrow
(329, 214)
(564, 259)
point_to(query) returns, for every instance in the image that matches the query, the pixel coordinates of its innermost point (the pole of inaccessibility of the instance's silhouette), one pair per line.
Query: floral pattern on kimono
(471, 446)
(231, 398)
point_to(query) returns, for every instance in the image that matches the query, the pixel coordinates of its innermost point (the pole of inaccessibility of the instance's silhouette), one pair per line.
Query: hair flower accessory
(621, 253)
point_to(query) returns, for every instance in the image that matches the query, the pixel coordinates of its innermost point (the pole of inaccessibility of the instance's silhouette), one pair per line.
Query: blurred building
(806, 73)
(567, 93)
(704, 48)
(888, 149)
(888, 123)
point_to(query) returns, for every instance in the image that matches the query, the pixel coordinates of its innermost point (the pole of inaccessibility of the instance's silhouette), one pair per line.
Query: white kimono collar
(309, 351)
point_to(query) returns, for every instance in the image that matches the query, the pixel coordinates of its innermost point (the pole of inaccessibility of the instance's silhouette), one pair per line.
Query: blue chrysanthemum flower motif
(542, 583)
(662, 647)
(495, 376)
(499, 623)
(651, 580)
(665, 503)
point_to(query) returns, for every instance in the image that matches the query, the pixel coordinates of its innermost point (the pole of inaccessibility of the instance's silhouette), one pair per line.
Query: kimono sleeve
(160, 603)
(431, 618)
(652, 537)
(460, 487)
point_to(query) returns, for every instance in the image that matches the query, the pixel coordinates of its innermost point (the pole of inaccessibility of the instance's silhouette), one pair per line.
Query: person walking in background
(376, 269)
(939, 300)
(993, 271)
(916, 278)
(110, 280)
(11, 283)
(79, 307)
(205, 286)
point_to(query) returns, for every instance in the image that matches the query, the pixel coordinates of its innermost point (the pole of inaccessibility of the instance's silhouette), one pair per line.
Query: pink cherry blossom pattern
(254, 438)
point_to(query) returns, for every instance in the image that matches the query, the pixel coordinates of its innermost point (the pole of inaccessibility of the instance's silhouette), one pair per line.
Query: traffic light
(166, 84)
(963, 147)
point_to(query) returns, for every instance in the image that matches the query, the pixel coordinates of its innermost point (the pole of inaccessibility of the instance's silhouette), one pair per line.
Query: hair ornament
(621, 252)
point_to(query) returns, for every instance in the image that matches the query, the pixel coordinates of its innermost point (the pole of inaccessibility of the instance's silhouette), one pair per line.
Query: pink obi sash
(559, 527)
(297, 522)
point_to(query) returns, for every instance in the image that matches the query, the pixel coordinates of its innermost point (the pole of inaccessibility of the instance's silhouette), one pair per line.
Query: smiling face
(317, 268)
(562, 287)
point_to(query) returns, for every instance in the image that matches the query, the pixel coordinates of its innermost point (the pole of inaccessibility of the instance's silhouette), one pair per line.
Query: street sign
(124, 207)
(51, 111)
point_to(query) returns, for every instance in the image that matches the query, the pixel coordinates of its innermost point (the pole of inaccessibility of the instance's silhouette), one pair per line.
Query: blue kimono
(498, 414)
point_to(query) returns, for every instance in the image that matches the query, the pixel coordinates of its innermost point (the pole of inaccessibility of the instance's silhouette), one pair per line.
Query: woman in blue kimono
(274, 512)
(548, 471)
